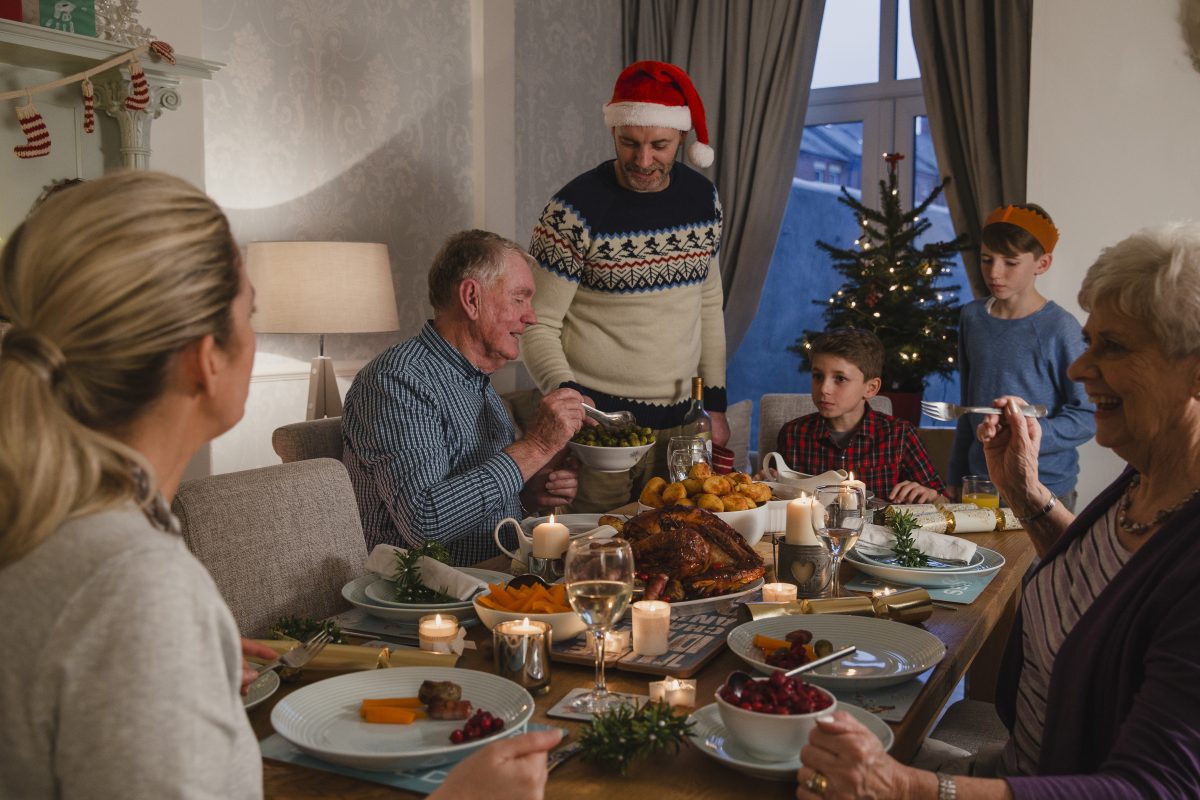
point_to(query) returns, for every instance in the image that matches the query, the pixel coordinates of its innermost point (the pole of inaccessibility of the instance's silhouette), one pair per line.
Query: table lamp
(322, 287)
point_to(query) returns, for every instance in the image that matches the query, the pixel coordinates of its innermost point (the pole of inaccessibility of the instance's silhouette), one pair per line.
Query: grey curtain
(974, 59)
(752, 64)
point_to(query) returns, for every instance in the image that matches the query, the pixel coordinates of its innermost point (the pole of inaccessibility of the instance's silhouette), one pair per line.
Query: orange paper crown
(1031, 222)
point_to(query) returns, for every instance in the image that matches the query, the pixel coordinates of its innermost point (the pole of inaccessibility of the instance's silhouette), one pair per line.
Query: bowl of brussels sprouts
(611, 450)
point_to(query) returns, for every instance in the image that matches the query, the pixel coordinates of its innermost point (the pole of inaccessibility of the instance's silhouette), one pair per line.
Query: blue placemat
(891, 703)
(964, 593)
(422, 781)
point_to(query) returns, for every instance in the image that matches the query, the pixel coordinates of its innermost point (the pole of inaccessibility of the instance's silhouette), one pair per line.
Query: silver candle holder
(548, 569)
(808, 567)
(522, 653)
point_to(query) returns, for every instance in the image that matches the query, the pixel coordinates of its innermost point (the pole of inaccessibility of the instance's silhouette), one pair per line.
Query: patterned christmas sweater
(629, 295)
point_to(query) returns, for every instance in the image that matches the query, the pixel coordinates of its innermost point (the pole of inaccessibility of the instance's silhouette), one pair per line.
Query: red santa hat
(660, 95)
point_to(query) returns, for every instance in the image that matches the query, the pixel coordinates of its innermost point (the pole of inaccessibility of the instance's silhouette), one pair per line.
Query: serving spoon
(617, 420)
(738, 679)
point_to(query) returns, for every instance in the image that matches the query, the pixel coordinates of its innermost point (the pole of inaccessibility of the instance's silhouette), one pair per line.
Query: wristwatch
(947, 789)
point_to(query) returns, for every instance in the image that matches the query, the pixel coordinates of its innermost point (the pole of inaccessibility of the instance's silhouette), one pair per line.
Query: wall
(1114, 110)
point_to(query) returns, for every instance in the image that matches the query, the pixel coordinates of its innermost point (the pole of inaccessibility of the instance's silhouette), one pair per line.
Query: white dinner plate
(322, 719)
(888, 652)
(711, 737)
(355, 593)
(263, 687)
(929, 578)
(382, 591)
(883, 558)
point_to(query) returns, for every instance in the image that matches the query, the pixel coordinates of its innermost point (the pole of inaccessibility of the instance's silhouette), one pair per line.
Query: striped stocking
(139, 97)
(37, 135)
(89, 108)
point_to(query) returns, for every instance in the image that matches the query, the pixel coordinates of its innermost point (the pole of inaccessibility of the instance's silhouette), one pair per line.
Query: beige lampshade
(321, 287)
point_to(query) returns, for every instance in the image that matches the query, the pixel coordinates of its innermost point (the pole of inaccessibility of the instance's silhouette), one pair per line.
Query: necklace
(1139, 528)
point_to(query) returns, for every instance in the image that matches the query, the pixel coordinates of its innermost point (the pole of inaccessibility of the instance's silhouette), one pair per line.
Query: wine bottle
(696, 421)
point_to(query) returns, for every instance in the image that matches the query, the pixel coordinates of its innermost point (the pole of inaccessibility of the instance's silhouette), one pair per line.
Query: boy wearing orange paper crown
(846, 433)
(1016, 342)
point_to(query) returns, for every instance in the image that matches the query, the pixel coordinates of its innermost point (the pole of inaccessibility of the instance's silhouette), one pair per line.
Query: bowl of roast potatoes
(736, 498)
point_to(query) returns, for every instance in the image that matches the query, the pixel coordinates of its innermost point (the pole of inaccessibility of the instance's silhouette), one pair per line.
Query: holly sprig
(906, 550)
(409, 588)
(617, 737)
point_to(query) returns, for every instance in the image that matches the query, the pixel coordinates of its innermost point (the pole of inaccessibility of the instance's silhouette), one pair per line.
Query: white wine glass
(839, 516)
(599, 579)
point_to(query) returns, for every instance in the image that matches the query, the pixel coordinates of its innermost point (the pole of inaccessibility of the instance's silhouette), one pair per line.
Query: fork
(298, 656)
(949, 411)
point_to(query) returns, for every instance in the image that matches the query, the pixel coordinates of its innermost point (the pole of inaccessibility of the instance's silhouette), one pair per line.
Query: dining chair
(314, 438)
(737, 416)
(278, 541)
(776, 410)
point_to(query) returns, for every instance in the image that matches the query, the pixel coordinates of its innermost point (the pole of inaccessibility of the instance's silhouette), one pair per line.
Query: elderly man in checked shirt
(429, 446)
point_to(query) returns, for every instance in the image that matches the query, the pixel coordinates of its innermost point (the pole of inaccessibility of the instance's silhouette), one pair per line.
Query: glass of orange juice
(980, 491)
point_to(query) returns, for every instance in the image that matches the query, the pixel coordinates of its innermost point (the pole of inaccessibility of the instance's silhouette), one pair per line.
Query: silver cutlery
(949, 411)
(738, 679)
(614, 419)
(298, 656)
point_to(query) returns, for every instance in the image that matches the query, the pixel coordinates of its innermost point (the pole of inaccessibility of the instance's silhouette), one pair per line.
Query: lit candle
(852, 497)
(651, 627)
(674, 692)
(800, 522)
(779, 593)
(615, 643)
(550, 539)
(437, 632)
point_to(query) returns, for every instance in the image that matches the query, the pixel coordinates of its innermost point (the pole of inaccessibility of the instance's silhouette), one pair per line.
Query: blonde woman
(130, 346)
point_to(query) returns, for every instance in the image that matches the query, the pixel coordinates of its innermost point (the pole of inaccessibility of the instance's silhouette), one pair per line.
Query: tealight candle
(800, 522)
(651, 627)
(436, 632)
(550, 539)
(615, 643)
(522, 653)
(779, 593)
(674, 692)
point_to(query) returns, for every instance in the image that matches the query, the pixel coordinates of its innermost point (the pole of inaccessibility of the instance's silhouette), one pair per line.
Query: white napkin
(434, 574)
(794, 484)
(934, 545)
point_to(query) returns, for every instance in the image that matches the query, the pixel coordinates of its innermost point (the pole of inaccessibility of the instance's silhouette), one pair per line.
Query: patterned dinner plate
(355, 593)
(990, 562)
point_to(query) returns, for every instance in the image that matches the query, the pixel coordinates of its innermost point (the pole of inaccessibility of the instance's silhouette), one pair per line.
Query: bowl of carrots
(500, 603)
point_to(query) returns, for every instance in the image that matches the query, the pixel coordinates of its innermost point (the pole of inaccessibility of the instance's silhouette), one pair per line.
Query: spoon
(618, 420)
(738, 679)
(528, 579)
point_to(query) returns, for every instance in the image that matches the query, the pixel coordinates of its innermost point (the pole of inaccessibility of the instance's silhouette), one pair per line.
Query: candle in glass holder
(779, 593)
(674, 692)
(616, 642)
(550, 539)
(651, 627)
(799, 528)
(436, 632)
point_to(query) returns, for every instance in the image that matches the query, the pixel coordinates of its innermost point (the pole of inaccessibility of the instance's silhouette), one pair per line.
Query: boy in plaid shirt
(884, 452)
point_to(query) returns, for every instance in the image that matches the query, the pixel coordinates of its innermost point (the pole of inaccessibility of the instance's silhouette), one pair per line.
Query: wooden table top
(690, 774)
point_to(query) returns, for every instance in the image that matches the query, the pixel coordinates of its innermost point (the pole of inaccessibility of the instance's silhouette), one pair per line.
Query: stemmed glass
(599, 579)
(683, 452)
(839, 514)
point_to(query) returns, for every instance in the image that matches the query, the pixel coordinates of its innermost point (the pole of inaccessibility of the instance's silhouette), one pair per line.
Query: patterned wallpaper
(566, 66)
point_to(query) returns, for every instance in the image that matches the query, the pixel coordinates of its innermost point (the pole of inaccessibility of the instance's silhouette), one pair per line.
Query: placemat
(562, 709)
(693, 642)
(424, 781)
(891, 703)
(964, 593)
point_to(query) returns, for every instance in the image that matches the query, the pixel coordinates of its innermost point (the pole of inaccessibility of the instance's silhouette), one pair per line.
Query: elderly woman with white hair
(1100, 686)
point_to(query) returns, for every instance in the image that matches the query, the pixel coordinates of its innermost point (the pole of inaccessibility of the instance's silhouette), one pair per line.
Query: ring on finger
(817, 784)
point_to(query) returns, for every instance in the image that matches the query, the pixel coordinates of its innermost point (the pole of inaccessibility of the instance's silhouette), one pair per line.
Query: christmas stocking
(139, 98)
(89, 108)
(37, 135)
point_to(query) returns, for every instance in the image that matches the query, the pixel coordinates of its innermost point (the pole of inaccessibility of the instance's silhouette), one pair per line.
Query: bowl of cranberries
(771, 717)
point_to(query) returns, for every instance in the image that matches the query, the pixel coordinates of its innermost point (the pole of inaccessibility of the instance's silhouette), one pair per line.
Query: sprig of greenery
(409, 588)
(617, 737)
(906, 550)
(304, 628)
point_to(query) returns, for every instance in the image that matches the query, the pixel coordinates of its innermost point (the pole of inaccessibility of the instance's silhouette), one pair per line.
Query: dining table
(973, 634)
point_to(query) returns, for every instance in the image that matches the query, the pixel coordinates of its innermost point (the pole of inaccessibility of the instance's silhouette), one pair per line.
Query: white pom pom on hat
(661, 95)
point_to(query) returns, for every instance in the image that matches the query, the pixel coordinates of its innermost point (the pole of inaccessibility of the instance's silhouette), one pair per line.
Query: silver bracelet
(947, 789)
(1046, 509)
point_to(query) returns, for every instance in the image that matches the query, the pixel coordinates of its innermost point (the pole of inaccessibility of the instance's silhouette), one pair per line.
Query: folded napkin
(792, 483)
(934, 545)
(434, 574)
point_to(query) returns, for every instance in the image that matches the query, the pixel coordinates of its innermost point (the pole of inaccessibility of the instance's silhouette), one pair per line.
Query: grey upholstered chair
(278, 541)
(776, 410)
(738, 417)
(314, 438)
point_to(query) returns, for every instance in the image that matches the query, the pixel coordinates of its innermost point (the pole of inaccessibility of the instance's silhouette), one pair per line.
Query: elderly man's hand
(559, 417)
(554, 484)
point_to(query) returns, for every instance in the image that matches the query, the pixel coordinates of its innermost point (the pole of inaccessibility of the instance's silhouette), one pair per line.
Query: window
(865, 100)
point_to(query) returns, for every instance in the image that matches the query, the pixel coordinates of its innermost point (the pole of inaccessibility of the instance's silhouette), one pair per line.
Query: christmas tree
(893, 287)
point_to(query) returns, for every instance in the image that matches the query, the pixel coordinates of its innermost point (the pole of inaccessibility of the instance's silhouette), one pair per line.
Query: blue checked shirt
(424, 435)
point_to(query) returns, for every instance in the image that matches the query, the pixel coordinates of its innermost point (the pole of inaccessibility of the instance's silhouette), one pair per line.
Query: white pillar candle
(676, 693)
(550, 539)
(852, 497)
(651, 627)
(779, 593)
(799, 528)
(437, 630)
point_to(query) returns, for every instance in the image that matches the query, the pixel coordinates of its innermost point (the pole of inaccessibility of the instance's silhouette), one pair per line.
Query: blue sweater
(1027, 357)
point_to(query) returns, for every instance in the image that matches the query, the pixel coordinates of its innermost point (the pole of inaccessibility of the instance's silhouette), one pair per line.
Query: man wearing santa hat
(628, 285)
